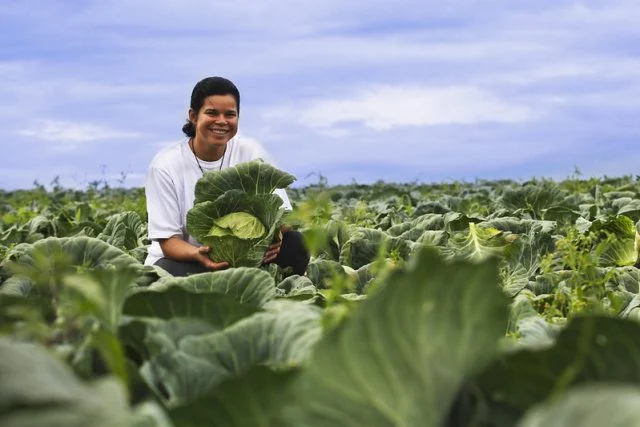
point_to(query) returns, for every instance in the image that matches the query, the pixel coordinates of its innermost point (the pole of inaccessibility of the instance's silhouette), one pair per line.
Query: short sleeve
(162, 205)
(286, 203)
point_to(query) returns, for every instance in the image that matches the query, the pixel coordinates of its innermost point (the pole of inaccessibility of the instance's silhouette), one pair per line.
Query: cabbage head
(236, 212)
(240, 224)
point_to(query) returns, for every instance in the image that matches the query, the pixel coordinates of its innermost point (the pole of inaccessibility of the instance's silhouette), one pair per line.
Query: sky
(347, 90)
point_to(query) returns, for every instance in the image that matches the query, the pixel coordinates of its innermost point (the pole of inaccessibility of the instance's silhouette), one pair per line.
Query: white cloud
(388, 107)
(69, 135)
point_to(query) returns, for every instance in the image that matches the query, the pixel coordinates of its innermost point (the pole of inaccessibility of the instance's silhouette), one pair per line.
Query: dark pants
(292, 254)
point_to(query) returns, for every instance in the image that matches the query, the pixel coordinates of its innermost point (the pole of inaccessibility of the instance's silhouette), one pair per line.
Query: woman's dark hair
(205, 88)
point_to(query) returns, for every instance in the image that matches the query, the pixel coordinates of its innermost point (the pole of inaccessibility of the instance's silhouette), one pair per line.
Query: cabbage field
(485, 304)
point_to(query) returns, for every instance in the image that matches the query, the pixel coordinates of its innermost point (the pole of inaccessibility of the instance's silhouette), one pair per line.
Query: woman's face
(217, 121)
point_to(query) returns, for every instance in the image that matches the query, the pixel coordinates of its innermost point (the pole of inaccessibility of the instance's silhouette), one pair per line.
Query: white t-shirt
(171, 182)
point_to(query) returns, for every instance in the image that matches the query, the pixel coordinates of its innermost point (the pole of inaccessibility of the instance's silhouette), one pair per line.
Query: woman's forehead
(220, 102)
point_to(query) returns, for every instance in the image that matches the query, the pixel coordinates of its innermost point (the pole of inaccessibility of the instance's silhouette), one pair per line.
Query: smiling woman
(212, 145)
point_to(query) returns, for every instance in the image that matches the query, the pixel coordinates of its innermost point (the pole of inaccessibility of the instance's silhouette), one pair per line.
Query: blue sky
(356, 90)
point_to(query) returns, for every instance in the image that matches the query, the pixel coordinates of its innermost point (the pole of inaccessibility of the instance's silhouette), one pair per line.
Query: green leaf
(319, 271)
(218, 309)
(521, 226)
(616, 246)
(254, 177)
(48, 260)
(531, 329)
(364, 246)
(534, 198)
(402, 356)
(522, 259)
(590, 349)
(589, 406)
(220, 298)
(295, 286)
(280, 337)
(627, 206)
(125, 230)
(477, 244)
(249, 286)
(150, 414)
(106, 290)
(250, 400)
(37, 390)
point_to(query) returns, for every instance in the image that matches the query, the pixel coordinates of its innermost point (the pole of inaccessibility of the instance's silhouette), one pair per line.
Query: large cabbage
(236, 212)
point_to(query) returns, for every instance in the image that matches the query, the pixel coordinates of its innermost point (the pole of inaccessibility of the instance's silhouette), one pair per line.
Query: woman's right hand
(202, 256)
(177, 249)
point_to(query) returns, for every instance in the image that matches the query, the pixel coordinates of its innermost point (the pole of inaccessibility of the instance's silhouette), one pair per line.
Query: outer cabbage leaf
(219, 297)
(252, 399)
(628, 206)
(589, 406)
(476, 244)
(37, 389)
(197, 304)
(250, 286)
(522, 259)
(125, 230)
(280, 337)
(254, 177)
(236, 251)
(429, 221)
(175, 302)
(403, 354)
(521, 226)
(321, 270)
(531, 329)
(331, 237)
(617, 245)
(590, 349)
(296, 287)
(365, 244)
(49, 260)
(533, 198)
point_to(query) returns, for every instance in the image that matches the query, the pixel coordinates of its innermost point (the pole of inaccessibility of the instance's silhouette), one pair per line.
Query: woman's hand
(272, 252)
(274, 249)
(203, 258)
(177, 249)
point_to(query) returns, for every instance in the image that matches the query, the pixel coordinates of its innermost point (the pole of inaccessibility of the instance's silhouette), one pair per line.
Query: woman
(212, 144)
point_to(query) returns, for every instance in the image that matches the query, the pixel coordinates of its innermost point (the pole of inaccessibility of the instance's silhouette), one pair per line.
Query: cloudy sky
(354, 90)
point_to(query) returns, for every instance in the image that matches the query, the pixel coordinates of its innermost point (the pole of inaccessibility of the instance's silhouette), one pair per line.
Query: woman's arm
(177, 249)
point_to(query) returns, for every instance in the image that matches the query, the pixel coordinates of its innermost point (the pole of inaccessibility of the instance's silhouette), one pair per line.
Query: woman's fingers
(218, 265)
(269, 257)
(212, 265)
(204, 259)
(271, 253)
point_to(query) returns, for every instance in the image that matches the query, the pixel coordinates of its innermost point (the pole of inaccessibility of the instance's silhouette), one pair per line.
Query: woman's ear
(192, 116)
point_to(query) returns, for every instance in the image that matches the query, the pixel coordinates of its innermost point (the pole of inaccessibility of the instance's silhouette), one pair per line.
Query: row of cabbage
(432, 306)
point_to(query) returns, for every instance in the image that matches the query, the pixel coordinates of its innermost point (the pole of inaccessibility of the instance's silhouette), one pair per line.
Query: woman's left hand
(274, 249)
(272, 252)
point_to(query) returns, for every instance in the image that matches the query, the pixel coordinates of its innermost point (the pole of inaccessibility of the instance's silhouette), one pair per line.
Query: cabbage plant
(237, 213)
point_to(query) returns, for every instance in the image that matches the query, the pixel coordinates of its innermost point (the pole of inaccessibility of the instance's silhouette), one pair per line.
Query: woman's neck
(208, 153)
